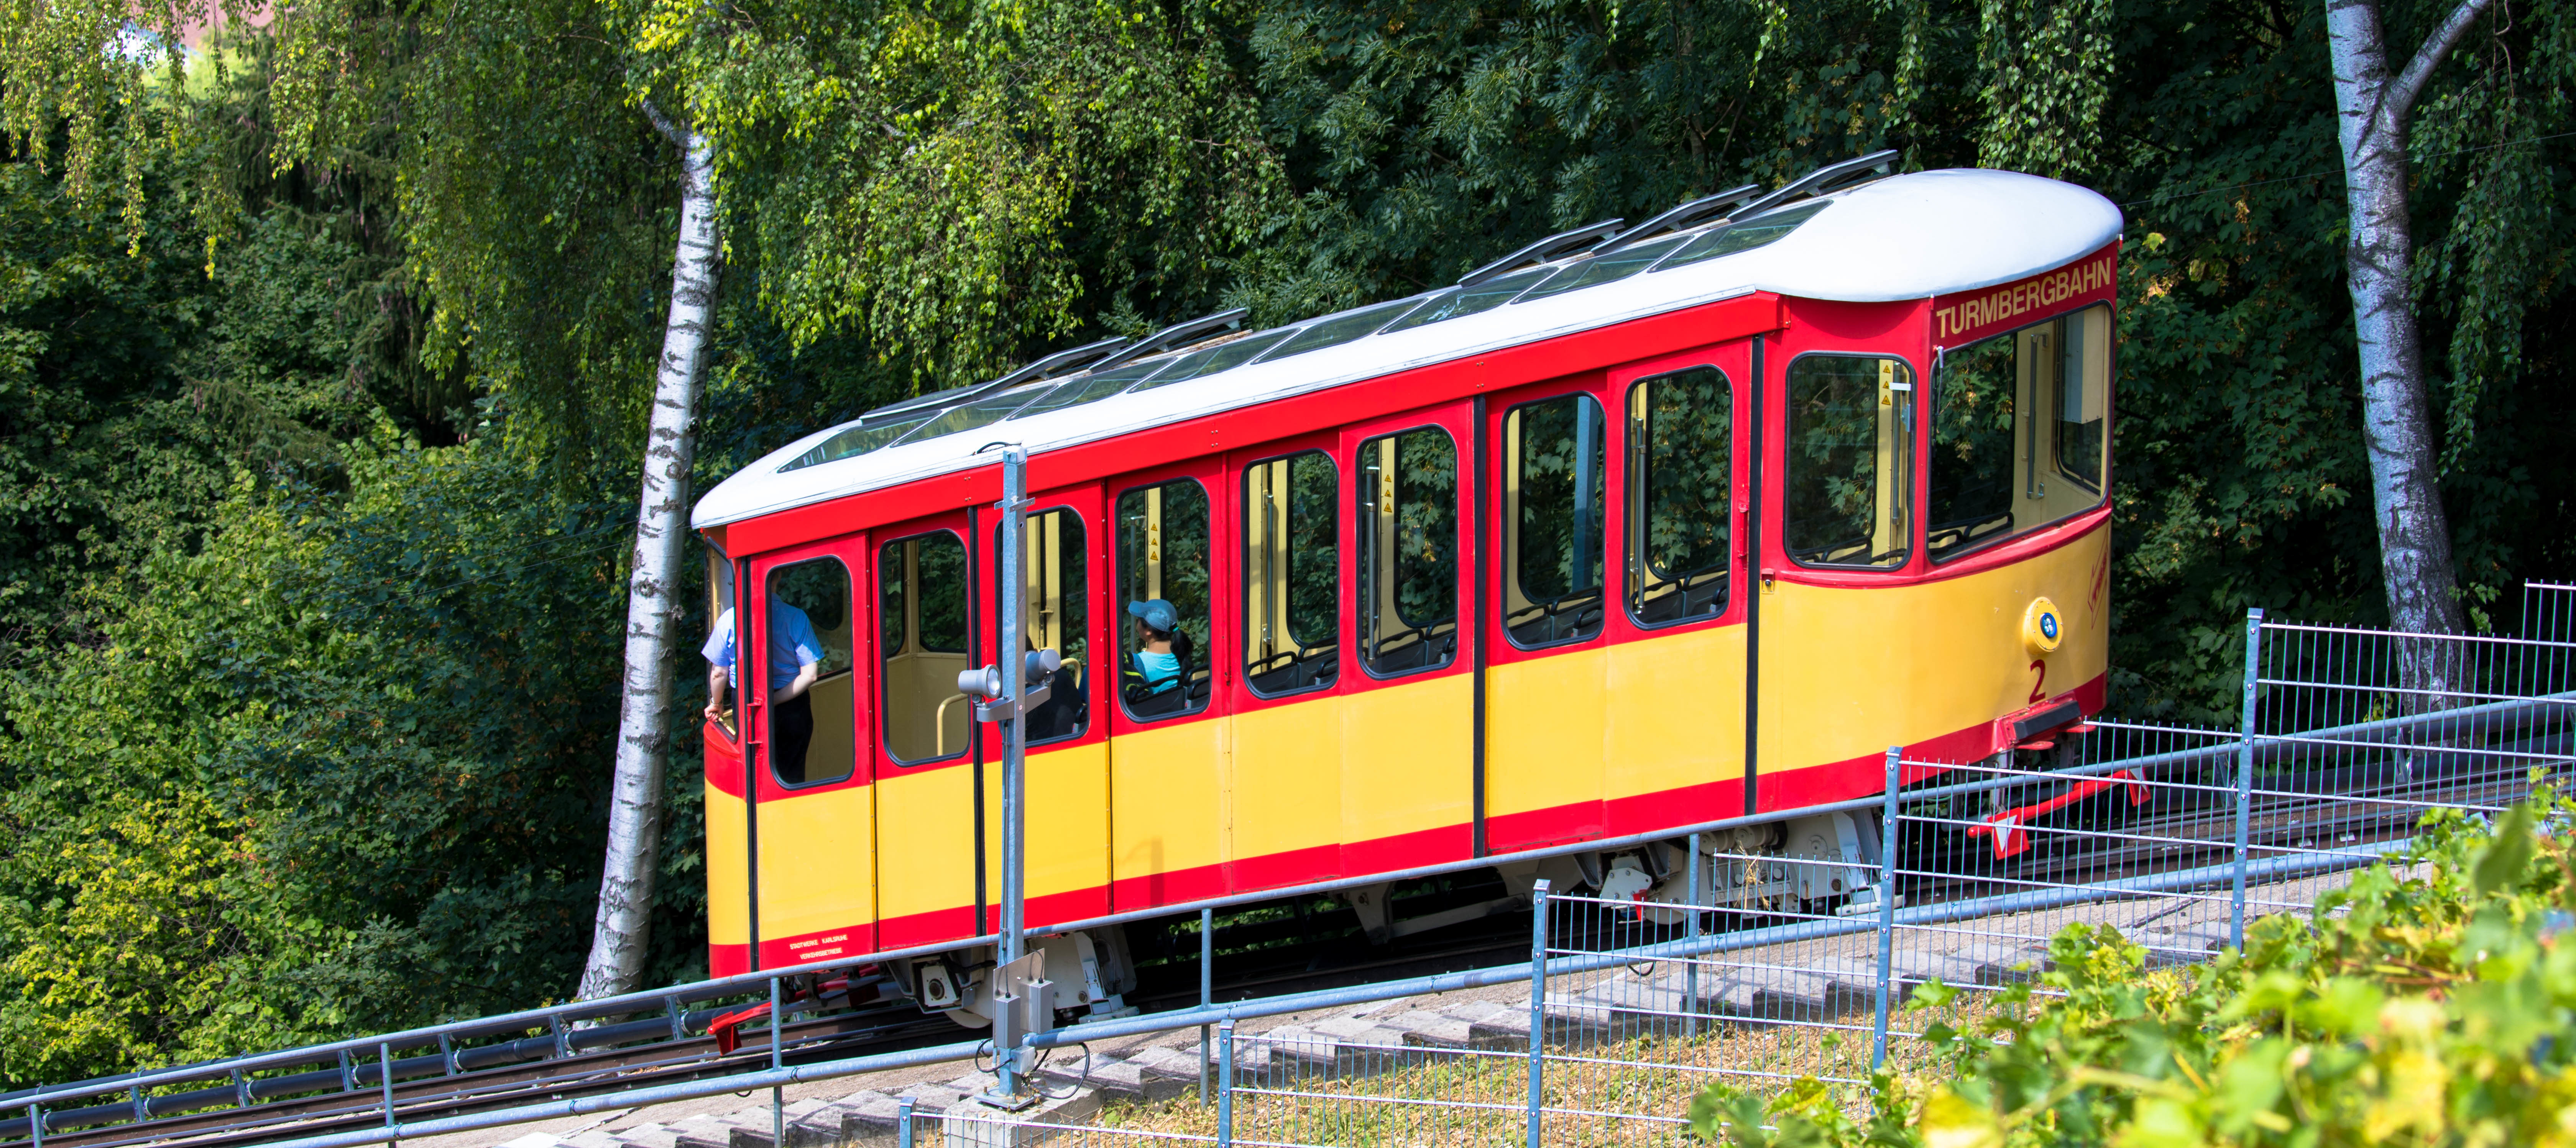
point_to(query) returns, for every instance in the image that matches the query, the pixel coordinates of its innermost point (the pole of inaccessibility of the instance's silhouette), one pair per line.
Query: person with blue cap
(1159, 663)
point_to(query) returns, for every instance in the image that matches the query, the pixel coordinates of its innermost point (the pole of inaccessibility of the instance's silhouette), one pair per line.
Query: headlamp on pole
(992, 701)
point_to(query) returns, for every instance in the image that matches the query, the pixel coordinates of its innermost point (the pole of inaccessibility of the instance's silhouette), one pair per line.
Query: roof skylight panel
(1095, 387)
(854, 441)
(1222, 357)
(1341, 329)
(1737, 238)
(976, 415)
(1601, 269)
(1467, 301)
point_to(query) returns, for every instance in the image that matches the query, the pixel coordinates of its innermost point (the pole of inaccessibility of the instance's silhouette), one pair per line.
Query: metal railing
(2174, 836)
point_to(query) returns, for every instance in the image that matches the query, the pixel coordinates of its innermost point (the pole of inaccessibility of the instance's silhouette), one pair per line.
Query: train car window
(1736, 238)
(2019, 427)
(1467, 301)
(721, 675)
(811, 736)
(1681, 500)
(1057, 590)
(1408, 559)
(976, 415)
(1222, 357)
(1851, 435)
(1602, 269)
(1093, 388)
(1163, 587)
(856, 440)
(921, 636)
(1341, 329)
(2082, 397)
(1292, 584)
(1552, 520)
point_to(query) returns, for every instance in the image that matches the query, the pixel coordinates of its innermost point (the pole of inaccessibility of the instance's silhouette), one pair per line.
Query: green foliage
(2431, 1001)
(333, 770)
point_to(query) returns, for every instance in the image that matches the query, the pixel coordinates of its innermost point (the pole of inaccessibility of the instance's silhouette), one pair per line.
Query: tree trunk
(624, 927)
(2414, 533)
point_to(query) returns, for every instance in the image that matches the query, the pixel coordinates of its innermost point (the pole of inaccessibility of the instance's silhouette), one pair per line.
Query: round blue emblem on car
(2048, 624)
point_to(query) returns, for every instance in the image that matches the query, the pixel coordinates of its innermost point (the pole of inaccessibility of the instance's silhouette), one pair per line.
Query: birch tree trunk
(624, 926)
(2414, 533)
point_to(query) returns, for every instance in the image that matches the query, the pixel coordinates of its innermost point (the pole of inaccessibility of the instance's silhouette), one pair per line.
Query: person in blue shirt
(795, 662)
(1158, 667)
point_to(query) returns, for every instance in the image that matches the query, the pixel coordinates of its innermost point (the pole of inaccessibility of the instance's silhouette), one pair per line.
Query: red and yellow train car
(1633, 529)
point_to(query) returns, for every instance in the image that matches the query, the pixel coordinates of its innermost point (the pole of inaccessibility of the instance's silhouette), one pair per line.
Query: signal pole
(1022, 999)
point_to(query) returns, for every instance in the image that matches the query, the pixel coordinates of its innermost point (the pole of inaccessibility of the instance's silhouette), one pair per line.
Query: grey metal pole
(903, 1123)
(1225, 1083)
(1690, 915)
(1207, 990)
(1538, 1007)
(1886, 906)
(36, 1126)
(777, 1060)
(1011, 660)
(2245, 774)
(385, 1067)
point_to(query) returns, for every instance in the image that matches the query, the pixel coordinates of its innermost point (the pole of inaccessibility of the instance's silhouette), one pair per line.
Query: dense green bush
(335, 769)
(2429, 1002)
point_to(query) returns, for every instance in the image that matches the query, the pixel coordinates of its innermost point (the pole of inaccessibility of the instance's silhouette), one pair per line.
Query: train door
(728, 815)
(1549, 532)
(1841, 490)
(922, 610)
(1407, 747)
(1681, 504)
(1167, 810)
(811, 814)
(1285, 778)
(1068, 758)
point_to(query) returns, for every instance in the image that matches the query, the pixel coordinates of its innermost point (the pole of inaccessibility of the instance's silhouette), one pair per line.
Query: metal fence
(1962, 872)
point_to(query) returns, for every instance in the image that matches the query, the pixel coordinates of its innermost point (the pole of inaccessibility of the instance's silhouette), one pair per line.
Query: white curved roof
(1905, 237)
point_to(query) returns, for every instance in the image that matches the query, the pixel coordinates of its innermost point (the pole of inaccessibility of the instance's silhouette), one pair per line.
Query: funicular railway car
(1635, 528)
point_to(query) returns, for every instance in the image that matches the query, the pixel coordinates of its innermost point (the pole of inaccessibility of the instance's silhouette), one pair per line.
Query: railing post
(348, 1073)
(1225, 1083)
(141, 1113)
(777, 1060)
(1207, 990)
(36, 1126)
(903, 1123)
(2245, 773)
(385, 1068)
(1538, 1008)
(1690, 914)
(1886, 905)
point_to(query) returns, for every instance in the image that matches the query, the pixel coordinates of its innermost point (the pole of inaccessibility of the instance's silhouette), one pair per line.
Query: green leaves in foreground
(2426, 1003)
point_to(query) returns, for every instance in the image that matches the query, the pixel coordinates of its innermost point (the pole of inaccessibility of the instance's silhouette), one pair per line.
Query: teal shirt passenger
(1161, 671)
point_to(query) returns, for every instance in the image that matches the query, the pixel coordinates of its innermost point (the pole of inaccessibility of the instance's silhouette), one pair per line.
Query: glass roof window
(1602, 269)
(1095, 387)
(1737, 238)
(976, 415)
(1467, 301)
(854, 441)
(1222, 357)
(1341, 329)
